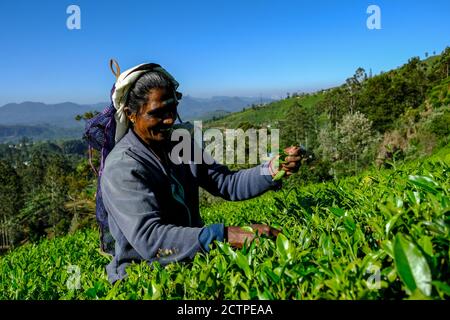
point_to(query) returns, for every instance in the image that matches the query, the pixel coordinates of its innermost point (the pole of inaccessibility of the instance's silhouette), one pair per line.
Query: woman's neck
(159, 148)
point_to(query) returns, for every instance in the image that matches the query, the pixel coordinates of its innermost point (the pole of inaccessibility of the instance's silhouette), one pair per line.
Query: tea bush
(384, 234)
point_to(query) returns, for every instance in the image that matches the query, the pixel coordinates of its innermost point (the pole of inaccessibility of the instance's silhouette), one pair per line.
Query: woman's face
(153, 122)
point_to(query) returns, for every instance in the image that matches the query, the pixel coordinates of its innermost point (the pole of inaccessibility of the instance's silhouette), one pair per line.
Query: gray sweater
(153, 211)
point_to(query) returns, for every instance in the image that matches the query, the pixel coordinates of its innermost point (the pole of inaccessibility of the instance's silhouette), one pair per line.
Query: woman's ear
(130, 115)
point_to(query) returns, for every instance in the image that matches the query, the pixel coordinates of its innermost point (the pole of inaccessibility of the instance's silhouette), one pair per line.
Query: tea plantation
(384, 234)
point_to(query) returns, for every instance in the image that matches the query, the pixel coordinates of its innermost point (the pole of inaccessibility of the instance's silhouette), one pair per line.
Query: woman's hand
(290, 165)
(237, 236)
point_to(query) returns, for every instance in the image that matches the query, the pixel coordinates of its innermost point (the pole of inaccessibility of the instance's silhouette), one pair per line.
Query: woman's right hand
(236, 236)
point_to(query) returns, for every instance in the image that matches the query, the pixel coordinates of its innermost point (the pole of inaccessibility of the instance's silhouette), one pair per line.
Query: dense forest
(46, 190)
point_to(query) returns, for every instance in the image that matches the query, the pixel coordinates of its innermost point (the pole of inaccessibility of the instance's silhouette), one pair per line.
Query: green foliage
(301, 126)
(45, 191)
(44, 211)
(265, 115)
(349, 145)
(439, 122)
(14, 133)
(11, 199)
(380, 235)
(412, 266)
(86, 116)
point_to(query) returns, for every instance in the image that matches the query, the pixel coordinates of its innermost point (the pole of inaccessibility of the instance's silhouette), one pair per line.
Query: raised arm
(235, 185)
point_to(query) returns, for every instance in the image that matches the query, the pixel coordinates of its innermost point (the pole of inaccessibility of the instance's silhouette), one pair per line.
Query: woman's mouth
(163, 131)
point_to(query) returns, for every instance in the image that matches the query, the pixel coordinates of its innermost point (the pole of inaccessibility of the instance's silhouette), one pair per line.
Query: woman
(152, 203)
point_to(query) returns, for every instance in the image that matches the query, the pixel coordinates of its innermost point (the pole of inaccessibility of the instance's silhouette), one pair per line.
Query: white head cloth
(123, 83)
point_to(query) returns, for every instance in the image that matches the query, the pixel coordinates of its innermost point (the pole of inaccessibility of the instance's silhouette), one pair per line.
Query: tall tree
(297, 126)
(349, 145)
(11, 200)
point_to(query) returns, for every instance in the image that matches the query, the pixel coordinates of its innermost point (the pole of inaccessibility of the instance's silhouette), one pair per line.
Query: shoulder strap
(113, 63)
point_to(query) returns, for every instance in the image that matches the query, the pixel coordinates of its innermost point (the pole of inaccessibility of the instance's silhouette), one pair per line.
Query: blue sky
(214, 47)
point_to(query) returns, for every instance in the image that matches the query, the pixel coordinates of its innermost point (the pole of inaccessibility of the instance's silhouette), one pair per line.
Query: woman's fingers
(291, 165)
(293, 150)
(274, 232)
(293, 158)
(237, 236)
(261, 228)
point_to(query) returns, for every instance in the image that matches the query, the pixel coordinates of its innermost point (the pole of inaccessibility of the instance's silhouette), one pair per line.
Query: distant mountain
(63, 114)
(14, 133)
(191, 108)
(37, 113)
(49, 121)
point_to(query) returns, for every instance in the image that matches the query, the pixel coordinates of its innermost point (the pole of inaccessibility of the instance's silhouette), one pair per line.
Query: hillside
(264, 115)
(274, 112)
(191, 108)
(14, 133)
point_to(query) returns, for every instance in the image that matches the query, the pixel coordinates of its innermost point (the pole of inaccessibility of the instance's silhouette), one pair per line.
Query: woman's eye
(162, 113)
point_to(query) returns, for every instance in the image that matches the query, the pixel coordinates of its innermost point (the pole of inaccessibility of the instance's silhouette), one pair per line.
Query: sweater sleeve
(129, 199)
(235, 185)
(210, 233)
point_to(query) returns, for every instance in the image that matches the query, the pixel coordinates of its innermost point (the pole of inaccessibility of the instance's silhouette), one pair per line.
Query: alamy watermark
(74, 280)
(228, 146)
(73, 22)
(374, 20)
(374, 280)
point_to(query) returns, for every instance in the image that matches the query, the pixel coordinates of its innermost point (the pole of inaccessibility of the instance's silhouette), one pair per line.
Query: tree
(44, 211)
(296, 127)
(11, 199)
(86, 116)
(441, 68)
(354, 85)
(348, 146)
(77, 147)
(356, 137)
(34, 216)
(33, 174)
(56, 186)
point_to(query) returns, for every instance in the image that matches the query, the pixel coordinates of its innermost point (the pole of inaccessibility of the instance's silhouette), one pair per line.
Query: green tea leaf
(242, 262)
(411, 266)
(265, 295)
(443, 287)
(338, 212)
(283, 247)
(280, 174)
(413, 197)
(424, 183)
(349, 224)
(248, 229)
(427, 246)
(390, 224)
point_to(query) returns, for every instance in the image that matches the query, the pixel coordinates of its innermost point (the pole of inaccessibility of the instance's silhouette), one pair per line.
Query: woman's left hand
(291, 162)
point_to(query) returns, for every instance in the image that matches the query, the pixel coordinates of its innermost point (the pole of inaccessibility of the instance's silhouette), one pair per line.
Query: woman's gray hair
(138, 94)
